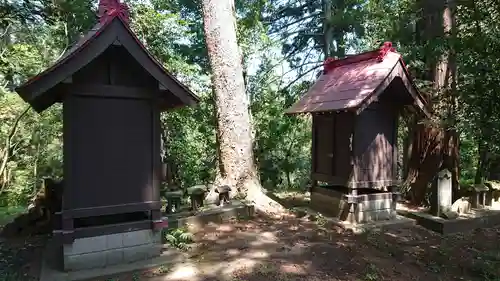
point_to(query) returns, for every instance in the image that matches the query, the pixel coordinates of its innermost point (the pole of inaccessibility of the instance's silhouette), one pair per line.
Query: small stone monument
(480, 191)
(441, 199)
(223, 192)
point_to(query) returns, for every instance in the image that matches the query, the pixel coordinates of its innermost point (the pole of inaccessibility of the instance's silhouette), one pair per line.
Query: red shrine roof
(109, 11)
(353, 82)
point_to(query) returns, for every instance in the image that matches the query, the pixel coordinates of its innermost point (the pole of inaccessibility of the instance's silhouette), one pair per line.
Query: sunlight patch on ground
(225, 228)
(184, 271)
(293, 268)
(239, 265)
(257, 254)
(264, 238)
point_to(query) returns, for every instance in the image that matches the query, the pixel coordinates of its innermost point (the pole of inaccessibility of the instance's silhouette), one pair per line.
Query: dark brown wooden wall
(115, 67)
(111, 160)
(375, 145)
(331, 155)
(111, 145)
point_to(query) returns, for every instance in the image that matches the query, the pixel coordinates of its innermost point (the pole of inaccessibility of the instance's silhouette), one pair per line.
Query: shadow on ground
(294, 249)
(290, 248)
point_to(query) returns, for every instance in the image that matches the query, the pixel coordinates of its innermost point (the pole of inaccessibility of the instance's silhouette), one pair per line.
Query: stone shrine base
(106, 250)
(196, 220)
(477, 218)
(49, 273)
(371, 205)
(113, 254)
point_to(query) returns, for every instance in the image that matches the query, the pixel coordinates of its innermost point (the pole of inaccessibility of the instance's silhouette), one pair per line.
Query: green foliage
(282, 43)
(8, 213)
(178, 238)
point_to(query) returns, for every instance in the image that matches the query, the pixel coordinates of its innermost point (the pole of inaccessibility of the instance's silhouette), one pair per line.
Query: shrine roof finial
(108, 9)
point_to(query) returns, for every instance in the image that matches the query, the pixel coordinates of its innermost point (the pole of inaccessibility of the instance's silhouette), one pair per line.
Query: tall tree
(435, 143)
(237, 167)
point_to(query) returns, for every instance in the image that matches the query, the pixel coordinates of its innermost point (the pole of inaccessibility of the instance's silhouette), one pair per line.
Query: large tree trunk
(237, 167)
(435, 147)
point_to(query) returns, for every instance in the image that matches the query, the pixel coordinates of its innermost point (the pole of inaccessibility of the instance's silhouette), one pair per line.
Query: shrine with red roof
(112, 91)
(355, 105)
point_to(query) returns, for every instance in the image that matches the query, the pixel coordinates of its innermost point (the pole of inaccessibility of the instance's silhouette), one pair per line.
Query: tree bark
(237, 167)
(6, 152)
(435, 147)
(327, 29)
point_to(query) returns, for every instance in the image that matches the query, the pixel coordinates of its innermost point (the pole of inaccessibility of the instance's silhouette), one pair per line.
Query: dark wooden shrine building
(355, 106)
(112, 91)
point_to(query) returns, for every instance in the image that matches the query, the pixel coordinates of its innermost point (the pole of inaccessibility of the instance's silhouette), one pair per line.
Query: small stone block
(135, 238)
(461, 206)
(196, 190)
(173, 194)
(114, 257)
(85, 261)
(114, 241)
(449, 215)
(86, 245)
(137, 253)
(156, 236)
(156, 250)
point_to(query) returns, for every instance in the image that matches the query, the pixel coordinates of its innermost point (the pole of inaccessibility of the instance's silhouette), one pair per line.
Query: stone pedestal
(367, 206)
(112, 249)
(441, 199)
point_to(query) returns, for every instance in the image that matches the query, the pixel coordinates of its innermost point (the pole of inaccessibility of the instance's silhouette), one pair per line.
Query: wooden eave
(399, 71)
(40, 91)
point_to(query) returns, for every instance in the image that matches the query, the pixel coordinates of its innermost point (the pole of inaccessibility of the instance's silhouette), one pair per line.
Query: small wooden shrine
(355, 106)
(112, 91)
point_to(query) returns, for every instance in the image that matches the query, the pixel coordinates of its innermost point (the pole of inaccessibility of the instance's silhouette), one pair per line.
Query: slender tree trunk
(327, 29)
(6, 152)
(232, 104)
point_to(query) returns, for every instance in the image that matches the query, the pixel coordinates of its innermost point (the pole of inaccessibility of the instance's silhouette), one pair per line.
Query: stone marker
(441, 199)
(223, 198)
(461, 206)
(480, 191)
(449, 215)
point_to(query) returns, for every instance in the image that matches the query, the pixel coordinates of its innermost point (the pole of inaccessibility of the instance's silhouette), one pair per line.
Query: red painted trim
(386, 48)
(108, 9)
(379, 54)
(160, 224)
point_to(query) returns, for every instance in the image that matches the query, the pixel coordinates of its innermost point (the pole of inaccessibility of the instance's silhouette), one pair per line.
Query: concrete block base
(477, 218)
(369, 208)
(112, 249)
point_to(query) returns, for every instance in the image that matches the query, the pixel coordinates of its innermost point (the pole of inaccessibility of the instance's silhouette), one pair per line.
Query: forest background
(452, 48)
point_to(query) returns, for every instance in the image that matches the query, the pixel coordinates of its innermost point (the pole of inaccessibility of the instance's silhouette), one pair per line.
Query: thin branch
(296, 21)
(264, 75)
(295, 68)
(300, 76)
(6, 153)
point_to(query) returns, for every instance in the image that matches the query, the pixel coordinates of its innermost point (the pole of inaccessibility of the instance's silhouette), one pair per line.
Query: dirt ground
(20, 258)
(294, 249)
(306, 249)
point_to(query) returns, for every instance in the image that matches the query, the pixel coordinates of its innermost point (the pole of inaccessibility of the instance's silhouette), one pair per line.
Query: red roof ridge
(379, 54)
(108, 9)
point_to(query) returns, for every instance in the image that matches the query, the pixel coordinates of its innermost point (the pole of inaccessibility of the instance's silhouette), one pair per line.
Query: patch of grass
(179, 238)
(487, 270)
(371, 274)
(8, 276)
(486, 266)
(7, 214)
